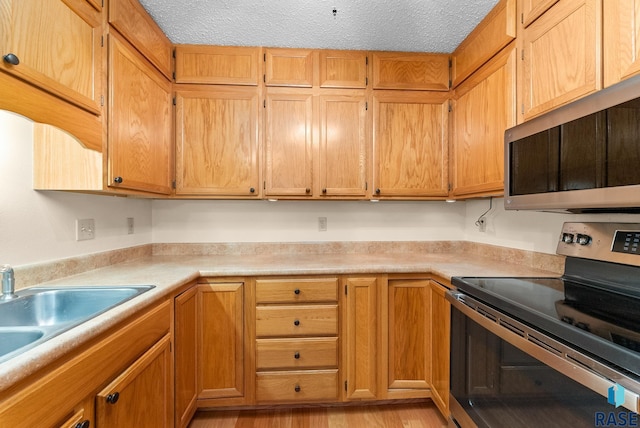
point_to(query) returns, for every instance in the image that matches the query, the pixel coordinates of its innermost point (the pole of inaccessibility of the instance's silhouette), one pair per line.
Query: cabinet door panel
(343, 145)
(289, 67)
(621, 40)
(483, 108)
(217, 142)
(409, 303)
(561, 55)
(144, 392)
(65, 57)
(289, 137)
(410, 144)
(221, 340)
(343, 69)
(360, 337)
(140, 122)
(440, 346)
(217, 65)
(418, 71)
(186, 343)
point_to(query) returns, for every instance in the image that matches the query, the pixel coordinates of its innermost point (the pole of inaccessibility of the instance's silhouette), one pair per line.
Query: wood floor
(419, 415)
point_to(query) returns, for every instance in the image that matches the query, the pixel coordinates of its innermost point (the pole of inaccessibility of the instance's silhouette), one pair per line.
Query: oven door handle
(566, 360)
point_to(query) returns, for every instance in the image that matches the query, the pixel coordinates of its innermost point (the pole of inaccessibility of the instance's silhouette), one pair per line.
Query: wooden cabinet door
(343, 69)
(410, 70)
(217, 141)
(483, 108)
(142, 395)
(621, 40)
(221, 340)
(360, 338)
(140, 122)
(344, 146)
(289, 67)
(561, 56)
(137, 26)
(64, 57)
(288, 143)
(218, 65)
(186, 344)
(440, 346)
(410, 144)
(408, 323)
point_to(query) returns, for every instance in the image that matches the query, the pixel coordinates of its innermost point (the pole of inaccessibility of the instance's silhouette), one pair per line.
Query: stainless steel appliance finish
(588, 159)
(530, 352)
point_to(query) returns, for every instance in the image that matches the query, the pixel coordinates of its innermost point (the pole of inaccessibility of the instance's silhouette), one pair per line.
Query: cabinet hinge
(174, 101)
(174, 75)
(264, 185)
(366, 105)
(366, 60)
(102, 40)
(366, 186)
(264, 57)
(174, 52)
(522, 18)
(366, 81)
(101, 100)
(264, 78)
(345, 290)
(522, 54)
(450, 107)
(522, 108)
(345, 385)
(264, 103)
(173, 184)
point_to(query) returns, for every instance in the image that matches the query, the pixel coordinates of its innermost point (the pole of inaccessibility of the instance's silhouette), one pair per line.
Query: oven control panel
(613, 242)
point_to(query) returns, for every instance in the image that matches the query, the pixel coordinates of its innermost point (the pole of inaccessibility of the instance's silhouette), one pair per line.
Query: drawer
(303, 353)
(317, 385)
(298, 320)
(297, 290)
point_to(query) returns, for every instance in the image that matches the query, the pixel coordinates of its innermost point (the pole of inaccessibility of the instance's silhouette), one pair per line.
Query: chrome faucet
(8, 283)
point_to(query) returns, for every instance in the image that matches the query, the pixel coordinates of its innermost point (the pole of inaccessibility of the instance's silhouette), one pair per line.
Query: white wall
(296, 221)
(39, 226)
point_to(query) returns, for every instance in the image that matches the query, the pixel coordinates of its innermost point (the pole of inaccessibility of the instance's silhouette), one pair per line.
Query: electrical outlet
(130, 225)
(482, 224)
(85, 229)
(322, 224)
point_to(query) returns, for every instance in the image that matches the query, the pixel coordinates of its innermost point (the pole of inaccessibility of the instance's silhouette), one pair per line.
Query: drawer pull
(296, 323)
(297, 388)
(83, 424)
(113, 398)
(297, 291)
(296, 355)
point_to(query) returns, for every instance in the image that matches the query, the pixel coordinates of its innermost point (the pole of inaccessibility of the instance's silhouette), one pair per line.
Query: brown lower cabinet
(246, 342)
(123, 378)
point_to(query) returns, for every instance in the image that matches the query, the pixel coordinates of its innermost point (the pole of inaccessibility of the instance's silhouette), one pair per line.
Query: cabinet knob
(11, 59)
(308, 190)
(113, 398)
(296, 322)
(297, 388)
(296, 291)
(324, 190)
(377, 191)
(83, 424)
(296, 355)
(252, 190)
(117, 180)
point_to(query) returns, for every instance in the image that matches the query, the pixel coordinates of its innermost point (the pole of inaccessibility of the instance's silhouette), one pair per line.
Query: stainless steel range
(552, 352)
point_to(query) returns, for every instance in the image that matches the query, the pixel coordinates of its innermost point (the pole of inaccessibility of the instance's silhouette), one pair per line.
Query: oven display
(626, 242)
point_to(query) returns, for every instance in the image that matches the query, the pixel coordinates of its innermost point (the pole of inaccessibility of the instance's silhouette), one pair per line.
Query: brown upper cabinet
(410, 130)
(560, 55)
(343, 69)
(495, 31)
(483, 106)
(621, 40)
(289, 67)
(415, 71)
(218, 65)
(135, 24)
(65, 59)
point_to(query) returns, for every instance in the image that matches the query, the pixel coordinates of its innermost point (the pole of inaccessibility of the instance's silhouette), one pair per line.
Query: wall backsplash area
(40, 226)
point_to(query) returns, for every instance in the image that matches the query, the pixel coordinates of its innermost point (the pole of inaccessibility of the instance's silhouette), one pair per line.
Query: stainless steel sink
(40, 313)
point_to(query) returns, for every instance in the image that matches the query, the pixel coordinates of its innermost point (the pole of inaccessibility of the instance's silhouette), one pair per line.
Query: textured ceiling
(392, 25)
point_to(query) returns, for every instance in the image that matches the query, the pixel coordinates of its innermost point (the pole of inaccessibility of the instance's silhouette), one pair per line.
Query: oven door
(504, 374)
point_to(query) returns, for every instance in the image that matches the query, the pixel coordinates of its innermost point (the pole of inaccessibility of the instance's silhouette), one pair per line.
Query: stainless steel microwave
(582, 157)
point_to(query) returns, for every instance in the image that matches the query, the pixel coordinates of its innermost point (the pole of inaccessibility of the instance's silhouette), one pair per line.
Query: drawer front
(297, 290)
(299, 320)
(297, 353)
(321, 385)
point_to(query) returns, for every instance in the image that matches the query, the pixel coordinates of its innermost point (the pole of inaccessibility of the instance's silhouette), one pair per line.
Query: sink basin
(40, 313)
